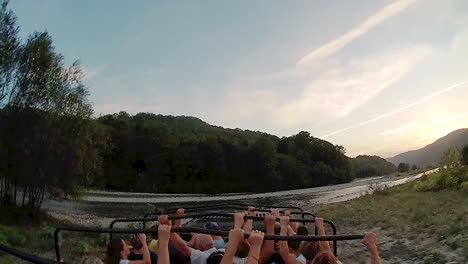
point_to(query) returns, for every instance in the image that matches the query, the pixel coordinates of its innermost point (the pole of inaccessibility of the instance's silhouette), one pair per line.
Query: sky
(379, 77)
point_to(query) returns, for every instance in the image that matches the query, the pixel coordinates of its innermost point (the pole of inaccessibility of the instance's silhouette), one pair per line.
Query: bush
(11, 236)
(83, 247)
(464, 186)
(444, 179)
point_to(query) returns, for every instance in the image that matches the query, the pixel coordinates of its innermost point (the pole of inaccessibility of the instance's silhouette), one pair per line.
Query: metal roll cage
(202, 212)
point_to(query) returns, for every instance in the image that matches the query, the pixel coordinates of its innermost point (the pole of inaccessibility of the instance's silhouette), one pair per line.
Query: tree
(414, 167)
(47, 137)
(450, 158)
(403, 167)
(465, 155)
(9, 47)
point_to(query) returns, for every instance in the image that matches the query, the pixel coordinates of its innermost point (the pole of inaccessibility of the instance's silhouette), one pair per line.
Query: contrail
(397, 110)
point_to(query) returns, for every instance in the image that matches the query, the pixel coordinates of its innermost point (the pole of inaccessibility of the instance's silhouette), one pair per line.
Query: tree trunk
(24, 195)
(14, 195)
(42, 197)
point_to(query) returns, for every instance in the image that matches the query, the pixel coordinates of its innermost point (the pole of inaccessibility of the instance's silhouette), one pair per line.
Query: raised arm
(164, 235)
(370, 241)
(249, 222)
(291, 229)
(178, 222)
(324, 245)
(283, 245)
(268, 247)
(255, 241)
(238, 220)
(235, 237)
(178, 242)
(146, 254)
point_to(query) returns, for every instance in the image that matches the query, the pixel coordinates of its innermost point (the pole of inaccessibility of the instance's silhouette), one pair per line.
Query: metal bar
(333, 237)
(168, 210)
(26, 256)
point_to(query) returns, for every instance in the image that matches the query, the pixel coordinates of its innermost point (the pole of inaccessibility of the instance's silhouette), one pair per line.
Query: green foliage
(430, 256)
(454, 178)
(47, 140)
(464, 186)
(464, 154)
(450, 158)
(83, 247)
(403, 167)
(154, 153)
(10, 236)
(368, 166)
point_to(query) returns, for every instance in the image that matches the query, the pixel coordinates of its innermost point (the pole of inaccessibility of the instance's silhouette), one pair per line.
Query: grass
(440, 217)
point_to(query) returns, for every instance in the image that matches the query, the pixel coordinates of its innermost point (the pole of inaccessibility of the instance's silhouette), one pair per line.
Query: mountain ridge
(430, 154)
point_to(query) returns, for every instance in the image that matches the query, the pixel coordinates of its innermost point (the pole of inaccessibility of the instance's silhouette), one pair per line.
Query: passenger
(203, 246)
(255, 241)
(325, 257)
(153, 244)
(268, 248)
(137, 250)
(370, 241)
(310, 249)
(164, 235)
(117, 252)
(236, 237)
(217, 240)
(295, 249)
(302, 231)
(289, 257)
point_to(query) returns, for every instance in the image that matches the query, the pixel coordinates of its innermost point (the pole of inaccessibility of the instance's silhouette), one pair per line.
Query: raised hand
(256, 238)
(142, 238)
(284, 220)
(238, 220)
(251, 211)
(370, 239)
(275, 212)
(269, 220)
(164, 233)
(236, 235)
(164, 220)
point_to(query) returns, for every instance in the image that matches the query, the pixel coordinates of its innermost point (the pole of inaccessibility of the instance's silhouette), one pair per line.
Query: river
(102, 204)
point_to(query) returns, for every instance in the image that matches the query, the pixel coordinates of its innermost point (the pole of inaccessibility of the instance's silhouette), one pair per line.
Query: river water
(121, 204)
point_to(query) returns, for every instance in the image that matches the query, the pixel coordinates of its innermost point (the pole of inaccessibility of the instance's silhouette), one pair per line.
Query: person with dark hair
(203, 244)
(118, 251)
(295, 249)
(137, 250)
(217, 240)
(302, 231)
(310, 249)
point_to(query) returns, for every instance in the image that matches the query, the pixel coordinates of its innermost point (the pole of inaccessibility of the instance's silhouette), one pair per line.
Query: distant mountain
(430, 154)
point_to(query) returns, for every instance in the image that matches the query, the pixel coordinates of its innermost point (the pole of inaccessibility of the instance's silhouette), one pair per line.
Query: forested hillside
(155, 153)
(367, 166)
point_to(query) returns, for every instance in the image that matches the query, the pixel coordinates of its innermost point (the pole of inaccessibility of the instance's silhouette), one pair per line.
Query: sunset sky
(378, 77)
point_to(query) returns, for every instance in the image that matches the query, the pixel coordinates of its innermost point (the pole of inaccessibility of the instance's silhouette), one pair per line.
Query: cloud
(91, 73)
(401, 129)
(398, 110)
(337, 92)
(371, 22)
